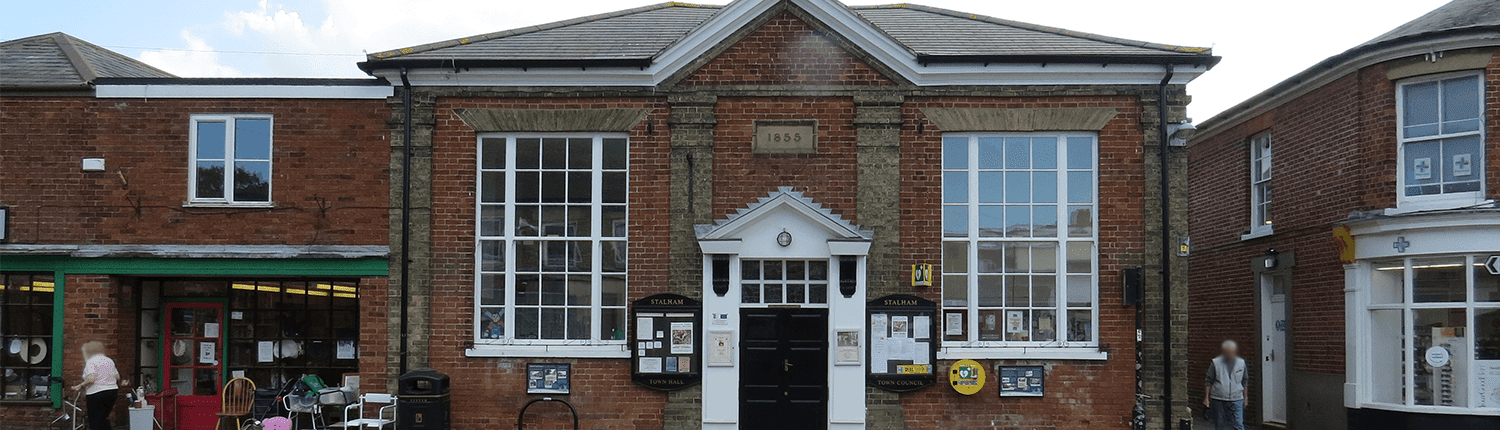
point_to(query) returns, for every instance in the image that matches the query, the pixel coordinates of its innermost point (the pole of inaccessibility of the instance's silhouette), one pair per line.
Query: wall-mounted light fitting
(1272, 255)
(848, 275)
(1180, 133)
(784, 239)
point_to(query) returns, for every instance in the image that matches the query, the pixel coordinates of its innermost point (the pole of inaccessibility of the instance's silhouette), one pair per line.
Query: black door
(784, 369)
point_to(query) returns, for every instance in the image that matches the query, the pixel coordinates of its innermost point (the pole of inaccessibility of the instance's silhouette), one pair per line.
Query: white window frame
(228, 199)
(1060, 348)
(1260, 211)
(1405, 204)
(508, 345)
(1407, 306)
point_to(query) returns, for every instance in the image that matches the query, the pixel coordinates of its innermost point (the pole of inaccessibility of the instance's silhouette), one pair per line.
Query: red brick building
(841, 204)
(185, 223)
(1360, 288)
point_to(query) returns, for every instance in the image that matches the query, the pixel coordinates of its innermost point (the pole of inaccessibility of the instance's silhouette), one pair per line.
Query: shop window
(1441, 140)
(26, 333)
(552, 246)
(231, 160)
(1433, 345)
(1260, 186)
(277, 330)
(1019, 234)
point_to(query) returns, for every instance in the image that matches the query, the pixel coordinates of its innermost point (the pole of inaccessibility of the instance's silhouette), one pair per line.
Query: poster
(1015, 322)
(670, 366)
(921, 327)
(548, 378)
(651, 364)
(208, 353)
(721, 348)
(848, 347)
(685, 364)
(265, 351)
(346, 350)
(954, 324)
(1022, 381)
(682, 338)
(210, 329)
(643, 328)
(1487, 383)
(879, 340)
(900, 327)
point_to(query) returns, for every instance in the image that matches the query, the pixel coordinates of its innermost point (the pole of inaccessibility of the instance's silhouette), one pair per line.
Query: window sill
(1021, 353)
(17, 403)
(548, 351)
(1425, 206)
(1257, 234)
(1442, 410)
(255, 205)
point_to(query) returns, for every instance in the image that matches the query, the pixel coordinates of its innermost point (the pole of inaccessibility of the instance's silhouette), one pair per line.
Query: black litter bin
(422, 401)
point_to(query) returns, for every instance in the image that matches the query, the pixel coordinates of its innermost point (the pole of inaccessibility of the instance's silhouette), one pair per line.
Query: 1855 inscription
(786, 137)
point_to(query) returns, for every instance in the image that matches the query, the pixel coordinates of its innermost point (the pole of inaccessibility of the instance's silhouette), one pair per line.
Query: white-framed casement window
(1433, 333)
(1441, 141)
(1260, 186)
(230, 160)
(1019, 244)
(551, 245)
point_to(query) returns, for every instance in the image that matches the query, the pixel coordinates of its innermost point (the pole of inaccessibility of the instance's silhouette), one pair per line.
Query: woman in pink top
(100, 384)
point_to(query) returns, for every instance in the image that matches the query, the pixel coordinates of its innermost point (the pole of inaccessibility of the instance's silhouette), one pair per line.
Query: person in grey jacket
(1224, 388)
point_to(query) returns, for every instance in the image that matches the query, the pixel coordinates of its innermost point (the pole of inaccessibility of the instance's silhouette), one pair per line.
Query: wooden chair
(237, 400)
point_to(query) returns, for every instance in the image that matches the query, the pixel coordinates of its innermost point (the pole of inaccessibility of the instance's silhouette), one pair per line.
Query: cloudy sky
(1262, 42)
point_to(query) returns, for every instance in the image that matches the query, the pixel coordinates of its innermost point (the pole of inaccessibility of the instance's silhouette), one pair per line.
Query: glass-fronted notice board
(902, 343)
(666, 332)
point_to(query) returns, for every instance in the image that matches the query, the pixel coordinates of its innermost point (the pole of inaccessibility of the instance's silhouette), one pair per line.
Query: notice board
(902, 346)
(665, 338)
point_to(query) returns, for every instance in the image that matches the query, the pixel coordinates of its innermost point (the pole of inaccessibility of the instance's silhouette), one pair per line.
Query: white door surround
(1273, 351)
(816, 234)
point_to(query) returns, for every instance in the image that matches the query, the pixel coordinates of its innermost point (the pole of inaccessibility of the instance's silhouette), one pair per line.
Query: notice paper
(643, 328)
(210, 329)
(650, 364)
(921, 327)
(265, 351)
(900, 327)
(208, 353)
(954, 325)
(345, 350)
(682, 338)
(921, 356)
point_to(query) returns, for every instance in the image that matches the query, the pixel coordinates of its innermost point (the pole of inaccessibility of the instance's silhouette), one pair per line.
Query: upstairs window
(231, 160)
(551, 241)
(1442, 140)
(1260, 185)
(1019, 235)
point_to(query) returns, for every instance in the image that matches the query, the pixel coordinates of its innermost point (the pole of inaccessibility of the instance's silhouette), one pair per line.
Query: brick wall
(487, 392)
(1079, 394)
(785, 50)
(330, 184)
(828, 177)
(1335, 153)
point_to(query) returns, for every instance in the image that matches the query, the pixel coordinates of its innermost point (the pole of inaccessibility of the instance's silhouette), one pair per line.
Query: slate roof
(635, 36)
(57, 60)
(1457, 15)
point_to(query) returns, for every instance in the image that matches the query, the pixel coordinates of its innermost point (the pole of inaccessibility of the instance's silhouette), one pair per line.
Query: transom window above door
(551, 241)
(775, 282)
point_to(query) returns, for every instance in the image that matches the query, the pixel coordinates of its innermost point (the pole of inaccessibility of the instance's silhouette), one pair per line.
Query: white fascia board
(243, 91)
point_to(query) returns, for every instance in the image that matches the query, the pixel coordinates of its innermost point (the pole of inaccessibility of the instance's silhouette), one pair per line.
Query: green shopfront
(180, 323)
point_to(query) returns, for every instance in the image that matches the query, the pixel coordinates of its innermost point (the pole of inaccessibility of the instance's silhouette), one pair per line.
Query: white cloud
(197, 60)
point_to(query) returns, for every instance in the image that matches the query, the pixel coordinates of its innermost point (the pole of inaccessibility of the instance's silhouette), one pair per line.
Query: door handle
(1271, 356)
(786, 365)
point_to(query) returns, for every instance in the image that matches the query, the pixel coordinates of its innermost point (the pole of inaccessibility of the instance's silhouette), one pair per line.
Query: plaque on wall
(902, 347)
(664, 338)
(785, 137)
(1022, 381)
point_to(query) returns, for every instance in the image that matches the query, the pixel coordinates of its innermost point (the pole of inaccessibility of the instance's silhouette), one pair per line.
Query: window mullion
(229, 129)
(972, 236)
(509, 247)
(595, 231)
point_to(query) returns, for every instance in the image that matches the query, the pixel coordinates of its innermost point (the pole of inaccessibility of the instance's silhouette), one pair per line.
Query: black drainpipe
(405, 215)
(1166, 254)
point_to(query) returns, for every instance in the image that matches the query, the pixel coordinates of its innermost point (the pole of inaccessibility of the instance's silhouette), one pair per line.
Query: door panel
(1274, 356)
(784, 369)
(194, 361)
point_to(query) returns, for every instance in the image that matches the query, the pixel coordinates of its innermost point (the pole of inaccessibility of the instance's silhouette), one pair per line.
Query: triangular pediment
(783, 49)
(781, 208)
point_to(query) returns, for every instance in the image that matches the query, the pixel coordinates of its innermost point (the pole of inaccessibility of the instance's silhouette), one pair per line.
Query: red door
(194, 365)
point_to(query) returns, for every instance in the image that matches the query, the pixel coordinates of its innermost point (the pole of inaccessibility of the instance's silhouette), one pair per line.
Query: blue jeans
(1227, 415)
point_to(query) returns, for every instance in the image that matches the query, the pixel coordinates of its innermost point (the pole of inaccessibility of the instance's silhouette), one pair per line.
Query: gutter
(1193, 60)
(456, 64)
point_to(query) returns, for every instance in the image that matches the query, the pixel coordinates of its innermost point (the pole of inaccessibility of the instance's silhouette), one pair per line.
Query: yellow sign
(921, 275)
(1345, 240)
(914, 369)
(966, 377)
